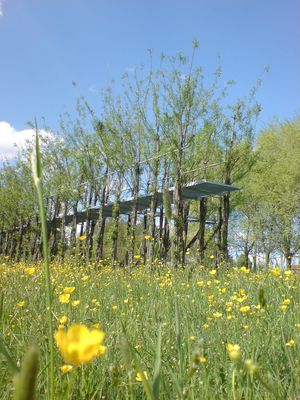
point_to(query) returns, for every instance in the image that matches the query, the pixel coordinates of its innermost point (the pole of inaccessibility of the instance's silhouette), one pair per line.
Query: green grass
(135, 304)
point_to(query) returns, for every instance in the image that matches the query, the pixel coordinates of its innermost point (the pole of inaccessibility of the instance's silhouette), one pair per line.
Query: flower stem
(233, 380)
(37, 176)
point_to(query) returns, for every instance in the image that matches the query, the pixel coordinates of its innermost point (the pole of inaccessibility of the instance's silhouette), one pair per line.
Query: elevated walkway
(192, 191)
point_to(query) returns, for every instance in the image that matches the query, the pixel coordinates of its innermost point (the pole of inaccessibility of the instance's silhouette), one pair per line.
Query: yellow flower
(147, 237)
(63, 319)
(69, 290)
(290, 343)
(85, 277)
(245, 309)
(245, 270)
(193, 337)
(21, 304)
(29, 270)
(203, 360)
(276, 271)
(211, 257)
(83, 237)
(64, 298)
(241, 299)
(114, 308)
(66, 368)
(283, 307)
(75, 303)
(286, 301)
(101, 351)
(137, 257)
(246, 328)
(234, 351)
(217, 314)
(288, 273)
(213, 272)
(79, 345)
(138, 377)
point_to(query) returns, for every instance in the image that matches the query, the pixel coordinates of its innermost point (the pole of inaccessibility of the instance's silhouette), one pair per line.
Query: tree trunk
(144, 242)
(102, 219)
(255, 258)
(220, 224)
(74, 229)
(115, 231)
(136, 188)
(268, 253)
(186, 210)
(225, 226)
(20, 241)
(201, 232)
(178, 223)
(63, 244)
(150, 243)
(246, 255)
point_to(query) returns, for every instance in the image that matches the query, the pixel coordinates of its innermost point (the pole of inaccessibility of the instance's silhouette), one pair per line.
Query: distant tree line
(161, 127)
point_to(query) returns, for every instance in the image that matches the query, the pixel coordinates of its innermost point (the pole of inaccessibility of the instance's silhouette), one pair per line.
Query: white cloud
(1, 8)
(11, 140)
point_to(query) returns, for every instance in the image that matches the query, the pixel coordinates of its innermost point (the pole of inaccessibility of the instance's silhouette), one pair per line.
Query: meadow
(196, 333)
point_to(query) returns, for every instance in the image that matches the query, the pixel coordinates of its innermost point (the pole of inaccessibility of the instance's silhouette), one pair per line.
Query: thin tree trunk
(20, 241)
(186, 210)
(268, 253)
(136, 188)
(150, 243)
(102, 219)
(63, 244)
(201, 232)
(178, 222)
(225, 226)
(220, 224)
(144, 242)
(115, 231)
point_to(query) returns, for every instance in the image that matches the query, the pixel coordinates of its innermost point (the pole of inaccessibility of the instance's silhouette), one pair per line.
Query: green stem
(233, 383)
(37, 175)
(47, 284)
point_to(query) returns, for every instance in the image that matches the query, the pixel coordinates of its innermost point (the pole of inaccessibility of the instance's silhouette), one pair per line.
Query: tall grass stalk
(37, 177)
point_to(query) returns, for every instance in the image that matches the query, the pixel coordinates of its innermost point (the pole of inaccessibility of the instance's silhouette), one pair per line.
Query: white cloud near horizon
(12, 139)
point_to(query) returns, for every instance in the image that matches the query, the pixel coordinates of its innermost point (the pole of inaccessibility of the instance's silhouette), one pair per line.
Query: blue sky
(45, 45)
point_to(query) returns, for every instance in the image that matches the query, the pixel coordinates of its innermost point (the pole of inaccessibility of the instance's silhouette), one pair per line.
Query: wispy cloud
(1, 8)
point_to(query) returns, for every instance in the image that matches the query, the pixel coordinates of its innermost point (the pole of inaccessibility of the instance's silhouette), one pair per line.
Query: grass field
(199, 313)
